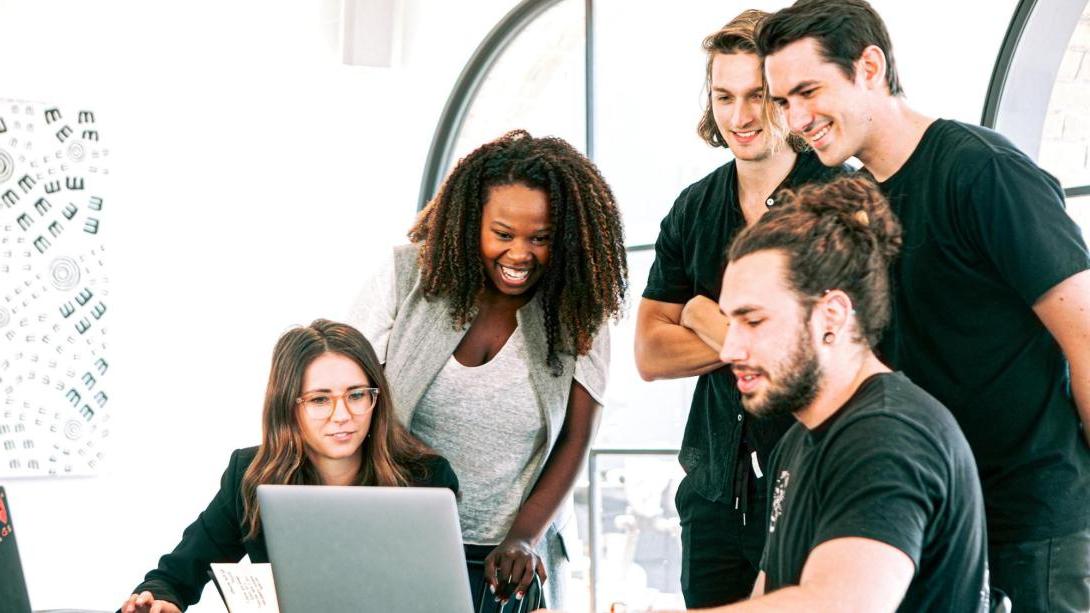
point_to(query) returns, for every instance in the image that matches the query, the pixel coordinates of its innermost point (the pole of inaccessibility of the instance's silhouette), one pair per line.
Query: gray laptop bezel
(350, 549)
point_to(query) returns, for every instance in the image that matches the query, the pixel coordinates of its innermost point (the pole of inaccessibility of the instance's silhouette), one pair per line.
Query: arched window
(1040, 93)
(623, 81)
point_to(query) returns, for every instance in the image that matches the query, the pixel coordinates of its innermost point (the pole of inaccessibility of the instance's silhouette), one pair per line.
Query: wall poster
(54, 290)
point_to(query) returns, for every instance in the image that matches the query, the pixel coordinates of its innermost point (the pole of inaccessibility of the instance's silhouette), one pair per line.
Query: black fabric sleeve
(216, 536)
(884, 480)
(439, 474)
(1017, 217)
(667, 281)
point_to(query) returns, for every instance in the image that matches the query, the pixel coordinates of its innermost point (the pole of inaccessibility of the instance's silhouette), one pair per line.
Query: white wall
(256, 181)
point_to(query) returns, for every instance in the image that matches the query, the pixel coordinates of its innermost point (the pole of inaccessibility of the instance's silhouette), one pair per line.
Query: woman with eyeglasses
(492, 327)
(327, 420)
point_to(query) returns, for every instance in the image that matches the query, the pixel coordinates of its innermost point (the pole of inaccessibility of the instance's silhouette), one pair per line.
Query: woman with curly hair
(493, 328)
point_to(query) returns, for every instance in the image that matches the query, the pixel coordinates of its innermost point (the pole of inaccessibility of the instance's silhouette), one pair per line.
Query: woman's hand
(145, 602)
(510, 568)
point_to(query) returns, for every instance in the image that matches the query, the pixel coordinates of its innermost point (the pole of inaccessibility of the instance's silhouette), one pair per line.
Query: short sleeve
(592, 369)
(1017, 216)
(375, 307)
(888, 493)
(668, 280)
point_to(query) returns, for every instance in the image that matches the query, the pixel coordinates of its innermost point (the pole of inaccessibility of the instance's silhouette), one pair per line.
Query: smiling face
(515, 237)
(339, 437)
(768, 345)
(821, 104)
(737, 103)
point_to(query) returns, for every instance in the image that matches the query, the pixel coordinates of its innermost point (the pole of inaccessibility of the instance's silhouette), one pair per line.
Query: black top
(13, 592)
(690, 255)
(217, 534)
(890, 465)
(986, 234)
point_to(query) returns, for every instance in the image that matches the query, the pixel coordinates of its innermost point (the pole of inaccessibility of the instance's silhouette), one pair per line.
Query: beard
(796, 383)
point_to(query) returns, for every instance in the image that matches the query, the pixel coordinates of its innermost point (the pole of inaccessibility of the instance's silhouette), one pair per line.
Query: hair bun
(860, 207)
(841, 234)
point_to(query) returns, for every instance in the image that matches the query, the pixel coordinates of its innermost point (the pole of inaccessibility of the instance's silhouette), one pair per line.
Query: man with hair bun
(721, 501)
(990, 298)
(875, 501)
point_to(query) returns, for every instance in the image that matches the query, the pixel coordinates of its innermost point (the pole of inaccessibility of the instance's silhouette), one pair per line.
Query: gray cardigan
(423, 338)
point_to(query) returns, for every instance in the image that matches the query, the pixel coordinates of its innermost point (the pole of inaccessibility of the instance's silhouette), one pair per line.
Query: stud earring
(828, 338)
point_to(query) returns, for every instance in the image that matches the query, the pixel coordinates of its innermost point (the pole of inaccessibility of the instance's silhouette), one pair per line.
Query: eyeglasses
(322, 405)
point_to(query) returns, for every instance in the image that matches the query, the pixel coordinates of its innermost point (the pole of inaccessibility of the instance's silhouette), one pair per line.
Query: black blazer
(217, 534)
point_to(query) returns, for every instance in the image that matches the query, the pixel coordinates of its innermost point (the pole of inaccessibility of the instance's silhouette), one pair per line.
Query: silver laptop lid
(352, 549)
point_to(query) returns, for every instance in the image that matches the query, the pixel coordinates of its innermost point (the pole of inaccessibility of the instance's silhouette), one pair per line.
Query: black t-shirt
(891, 466)
(689, 260)
(985, 235)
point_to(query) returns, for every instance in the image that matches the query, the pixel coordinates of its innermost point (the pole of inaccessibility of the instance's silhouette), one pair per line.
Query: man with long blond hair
(722, 500)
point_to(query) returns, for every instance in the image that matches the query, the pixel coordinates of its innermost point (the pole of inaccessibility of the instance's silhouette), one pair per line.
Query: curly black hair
(585, 281)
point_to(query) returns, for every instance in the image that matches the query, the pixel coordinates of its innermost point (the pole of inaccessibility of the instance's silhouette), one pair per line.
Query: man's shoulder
(793, 438)
(969, 146)
(959, 132)
(891, 405)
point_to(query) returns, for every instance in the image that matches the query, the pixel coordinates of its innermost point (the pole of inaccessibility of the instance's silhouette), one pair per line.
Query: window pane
(639, 546)
(1079, 209)
(638, 413)
(1065, 144)
(537, 84)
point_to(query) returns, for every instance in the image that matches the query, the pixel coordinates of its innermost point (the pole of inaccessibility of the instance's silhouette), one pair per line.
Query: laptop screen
(343, 549)
(12, 583)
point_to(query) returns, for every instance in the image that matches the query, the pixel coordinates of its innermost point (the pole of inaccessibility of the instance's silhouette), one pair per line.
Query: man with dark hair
(721, 501)
(991, 294)
(876, 504)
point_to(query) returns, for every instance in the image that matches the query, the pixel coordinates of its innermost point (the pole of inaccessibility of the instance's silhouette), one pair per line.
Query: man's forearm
(703, 317)
(793, 598)
(665, 349)
(672, 351)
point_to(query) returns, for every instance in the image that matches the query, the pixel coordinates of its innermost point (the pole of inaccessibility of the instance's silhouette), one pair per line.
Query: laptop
(360, 549)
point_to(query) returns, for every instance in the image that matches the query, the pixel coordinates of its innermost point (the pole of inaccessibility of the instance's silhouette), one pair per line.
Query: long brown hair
(391, 456)
(586, 278)
(739, 36)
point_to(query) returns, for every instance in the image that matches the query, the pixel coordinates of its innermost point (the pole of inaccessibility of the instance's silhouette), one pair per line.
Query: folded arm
(678, 340)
